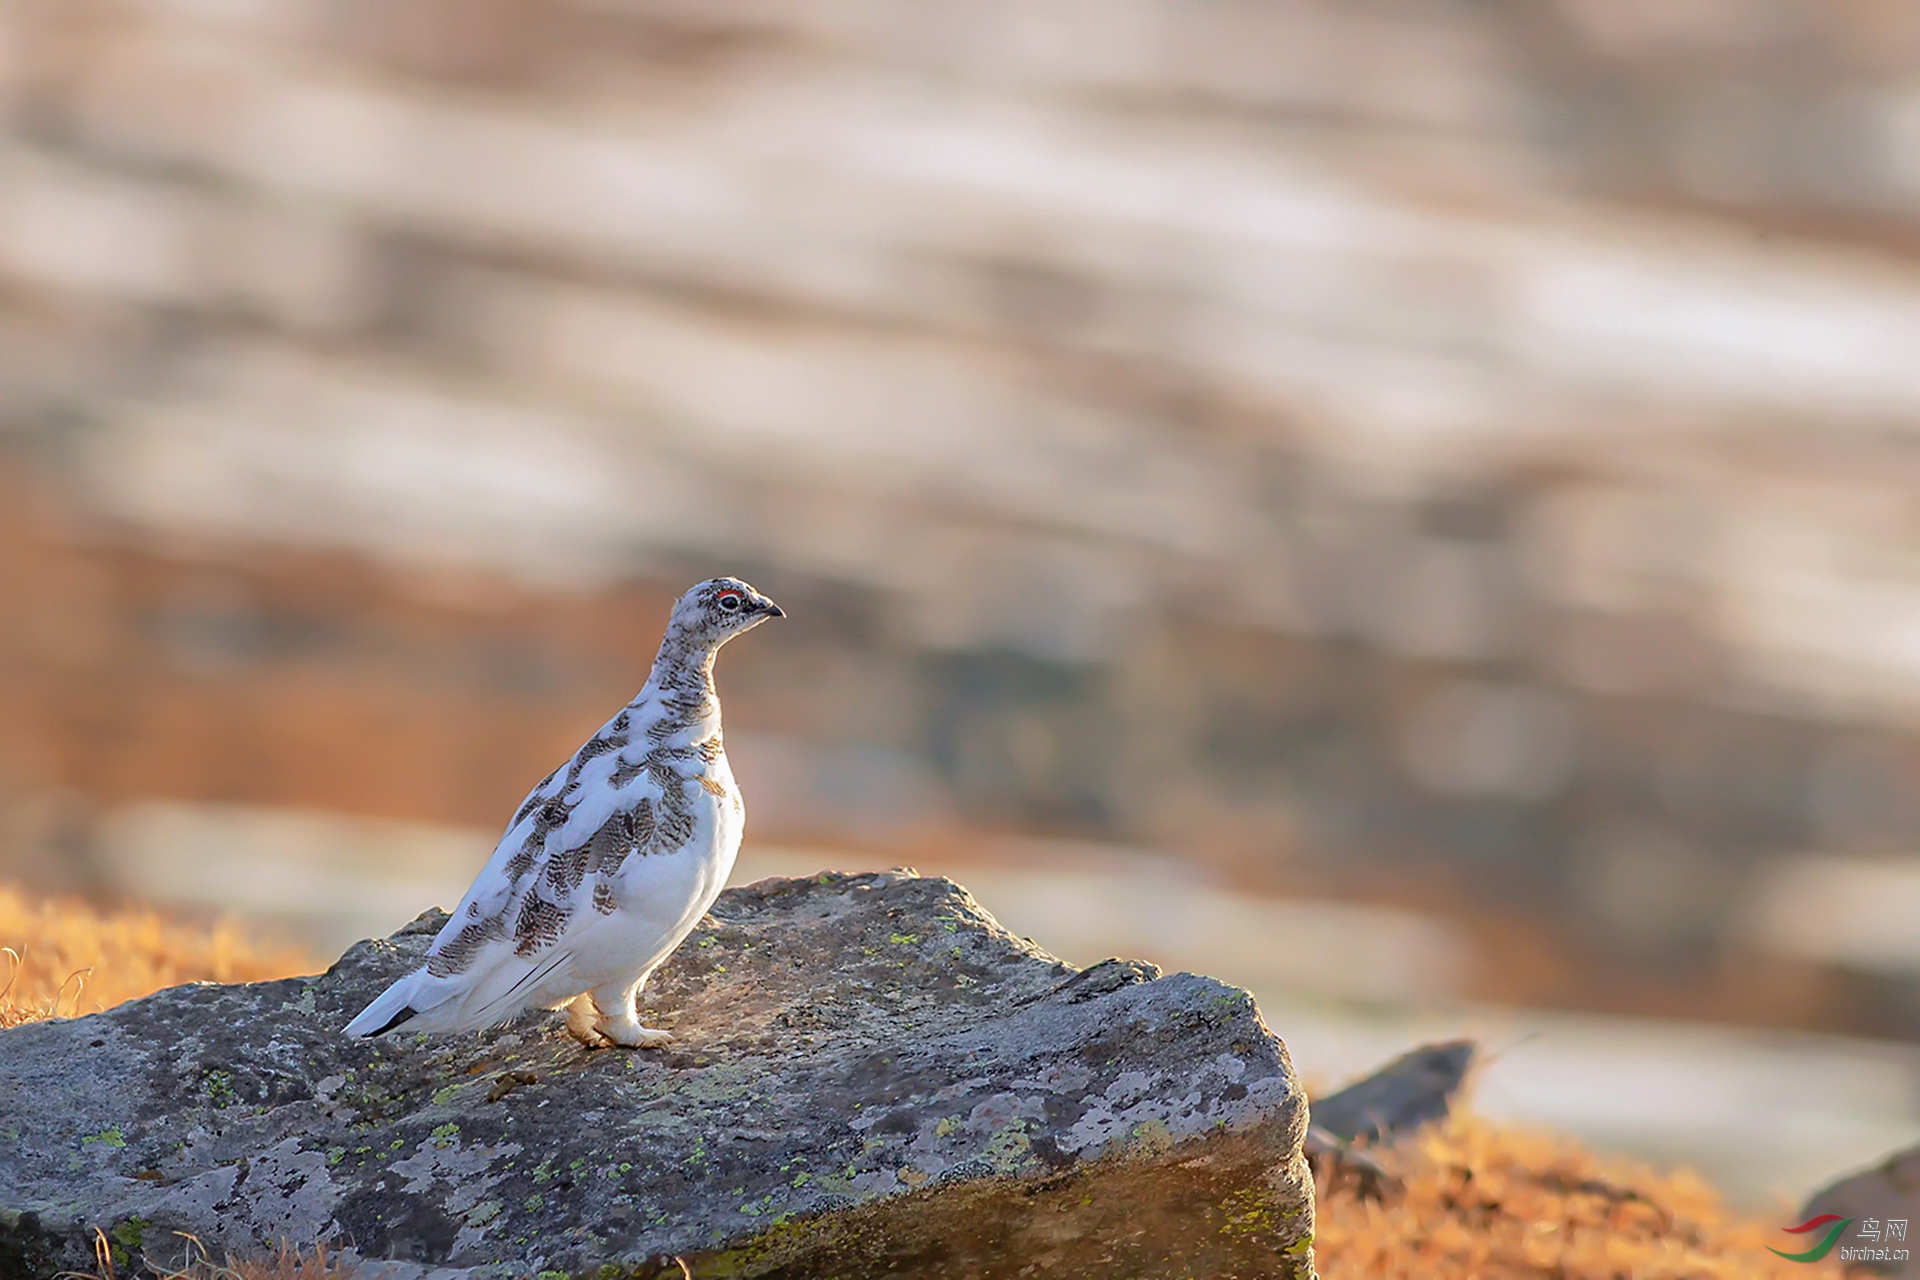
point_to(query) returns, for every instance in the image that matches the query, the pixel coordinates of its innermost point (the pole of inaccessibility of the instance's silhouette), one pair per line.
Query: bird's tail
(389, 1009)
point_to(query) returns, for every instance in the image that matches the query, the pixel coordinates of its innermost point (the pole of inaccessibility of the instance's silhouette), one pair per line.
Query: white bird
(608, 864)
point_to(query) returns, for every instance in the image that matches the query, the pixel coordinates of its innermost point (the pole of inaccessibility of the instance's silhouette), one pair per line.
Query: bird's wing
(621, 795)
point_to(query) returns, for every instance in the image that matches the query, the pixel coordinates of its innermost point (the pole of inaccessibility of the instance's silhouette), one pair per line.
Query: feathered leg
(617, 1017)
(583, 1022)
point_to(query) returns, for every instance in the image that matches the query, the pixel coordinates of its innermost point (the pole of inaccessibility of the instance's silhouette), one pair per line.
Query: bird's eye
(729, 600)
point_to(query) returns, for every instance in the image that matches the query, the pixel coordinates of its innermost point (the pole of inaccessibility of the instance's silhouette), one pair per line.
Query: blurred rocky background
(1406, 504)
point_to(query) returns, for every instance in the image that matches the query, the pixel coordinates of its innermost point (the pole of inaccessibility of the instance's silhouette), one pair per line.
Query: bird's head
(719, 609)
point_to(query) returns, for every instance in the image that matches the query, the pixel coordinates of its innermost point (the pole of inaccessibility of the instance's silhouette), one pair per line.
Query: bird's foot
(583, 1023)
(597, 1030)
(628, 1032)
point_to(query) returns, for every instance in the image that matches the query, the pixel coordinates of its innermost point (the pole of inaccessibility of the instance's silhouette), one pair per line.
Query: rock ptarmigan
(607, 865)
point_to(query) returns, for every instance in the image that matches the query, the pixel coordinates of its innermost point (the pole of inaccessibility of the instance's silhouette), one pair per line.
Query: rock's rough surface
(870, 1076)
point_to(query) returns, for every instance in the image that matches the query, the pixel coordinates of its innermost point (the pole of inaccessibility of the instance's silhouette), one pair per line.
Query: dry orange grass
(1479, 1201)
(288, 1264)
(66, 958)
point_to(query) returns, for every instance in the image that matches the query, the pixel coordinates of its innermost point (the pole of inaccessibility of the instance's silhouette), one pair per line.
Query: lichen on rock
(868, 1075)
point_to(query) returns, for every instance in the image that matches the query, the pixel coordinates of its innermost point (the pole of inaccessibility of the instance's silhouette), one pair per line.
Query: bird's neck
(684, 661)
(681, 685)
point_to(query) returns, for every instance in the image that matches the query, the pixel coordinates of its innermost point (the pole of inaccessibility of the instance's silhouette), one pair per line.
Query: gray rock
(1413, 1090)
(871, 1077)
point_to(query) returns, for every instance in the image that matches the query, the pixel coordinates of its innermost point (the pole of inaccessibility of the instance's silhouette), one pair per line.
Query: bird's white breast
(659, 897)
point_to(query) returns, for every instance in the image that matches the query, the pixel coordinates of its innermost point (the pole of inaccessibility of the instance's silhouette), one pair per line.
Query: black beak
(775, 611)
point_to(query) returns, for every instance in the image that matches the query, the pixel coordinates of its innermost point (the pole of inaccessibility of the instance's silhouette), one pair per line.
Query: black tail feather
(406, 1014)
